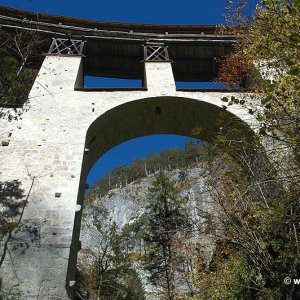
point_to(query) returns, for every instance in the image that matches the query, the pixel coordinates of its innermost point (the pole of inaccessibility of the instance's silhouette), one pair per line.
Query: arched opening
(157, 115)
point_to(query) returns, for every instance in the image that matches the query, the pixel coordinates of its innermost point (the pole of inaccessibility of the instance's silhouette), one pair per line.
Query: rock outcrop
(126, 205)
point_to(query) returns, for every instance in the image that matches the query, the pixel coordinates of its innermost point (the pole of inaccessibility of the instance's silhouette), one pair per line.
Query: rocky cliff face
(125, 206)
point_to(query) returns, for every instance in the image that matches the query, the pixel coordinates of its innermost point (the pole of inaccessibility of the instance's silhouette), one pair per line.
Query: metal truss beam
(66, 47)
(156, 52)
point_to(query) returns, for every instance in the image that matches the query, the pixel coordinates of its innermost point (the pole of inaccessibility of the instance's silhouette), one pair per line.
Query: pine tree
(166, 219)
(115, 277)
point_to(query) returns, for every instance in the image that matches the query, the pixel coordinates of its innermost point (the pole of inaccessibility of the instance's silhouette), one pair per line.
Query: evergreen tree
(166, 219)
(115, 278)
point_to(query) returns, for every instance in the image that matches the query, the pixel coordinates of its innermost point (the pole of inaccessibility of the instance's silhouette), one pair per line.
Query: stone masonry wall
(41, 158)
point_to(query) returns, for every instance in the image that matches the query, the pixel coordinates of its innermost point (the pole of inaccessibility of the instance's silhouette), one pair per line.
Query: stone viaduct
(47, 152)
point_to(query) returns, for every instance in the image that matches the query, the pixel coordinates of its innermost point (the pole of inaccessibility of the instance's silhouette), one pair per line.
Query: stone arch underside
(157, 115)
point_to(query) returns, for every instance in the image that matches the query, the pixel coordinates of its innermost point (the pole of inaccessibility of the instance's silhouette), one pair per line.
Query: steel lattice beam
(154, 52)
(66, 47)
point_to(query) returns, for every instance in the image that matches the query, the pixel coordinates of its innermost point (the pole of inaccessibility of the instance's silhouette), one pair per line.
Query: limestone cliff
(125, 206)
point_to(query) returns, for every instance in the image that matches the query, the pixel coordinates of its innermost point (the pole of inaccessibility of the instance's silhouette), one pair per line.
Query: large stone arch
(148, 116)
(157, 115)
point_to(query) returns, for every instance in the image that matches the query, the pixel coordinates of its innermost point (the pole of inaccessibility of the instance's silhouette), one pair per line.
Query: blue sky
(136, 148)
(132, 11)
(205, 12)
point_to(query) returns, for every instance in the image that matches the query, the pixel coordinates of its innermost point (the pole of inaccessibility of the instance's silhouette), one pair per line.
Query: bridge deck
(115, 49)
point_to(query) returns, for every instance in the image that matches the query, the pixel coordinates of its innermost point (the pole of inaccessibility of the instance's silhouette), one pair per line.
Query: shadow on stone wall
(12, 201)
(16, 233)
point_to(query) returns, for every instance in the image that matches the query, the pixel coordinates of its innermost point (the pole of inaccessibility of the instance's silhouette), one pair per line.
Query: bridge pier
(40, 172)
(43, 162)
(159, 77)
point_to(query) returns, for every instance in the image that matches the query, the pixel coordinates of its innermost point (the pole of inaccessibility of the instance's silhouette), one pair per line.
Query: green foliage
(271, 42)
(13, 294)
(226, 276)
(259, 246)
(15, 81)
(120, 284)
(166, 219)
(261, 228)
(20, 58)
(9, 226)
(113, 276)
